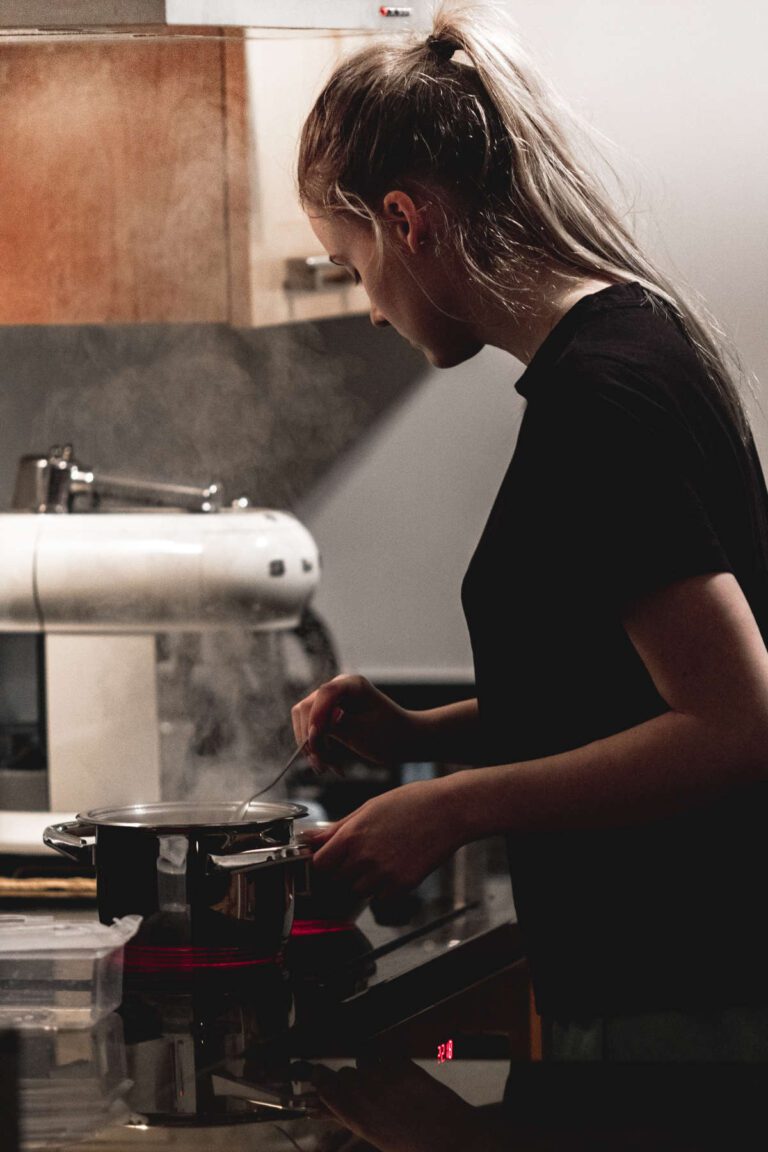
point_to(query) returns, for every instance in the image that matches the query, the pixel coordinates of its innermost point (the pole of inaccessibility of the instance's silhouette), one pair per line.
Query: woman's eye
(347, 268)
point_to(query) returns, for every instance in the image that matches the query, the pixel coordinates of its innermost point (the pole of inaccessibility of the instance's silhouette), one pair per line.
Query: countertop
(403, 1038)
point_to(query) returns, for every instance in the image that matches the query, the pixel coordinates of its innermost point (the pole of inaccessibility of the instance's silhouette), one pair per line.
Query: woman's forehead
(335, 231)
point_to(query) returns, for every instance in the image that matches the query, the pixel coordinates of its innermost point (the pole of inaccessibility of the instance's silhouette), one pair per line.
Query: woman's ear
(408, 223)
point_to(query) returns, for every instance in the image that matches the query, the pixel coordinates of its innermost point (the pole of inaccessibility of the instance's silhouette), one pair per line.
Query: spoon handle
(301, 748)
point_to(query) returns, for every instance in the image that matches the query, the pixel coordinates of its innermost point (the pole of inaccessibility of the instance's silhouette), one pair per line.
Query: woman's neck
(522, 328)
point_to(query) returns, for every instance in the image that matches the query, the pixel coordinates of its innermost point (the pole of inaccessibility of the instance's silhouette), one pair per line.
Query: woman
(617, 602)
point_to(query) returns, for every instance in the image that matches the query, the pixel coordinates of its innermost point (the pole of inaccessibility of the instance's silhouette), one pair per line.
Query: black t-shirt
(627, 475)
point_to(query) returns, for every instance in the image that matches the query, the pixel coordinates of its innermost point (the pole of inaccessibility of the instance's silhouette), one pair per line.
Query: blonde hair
(482, 134)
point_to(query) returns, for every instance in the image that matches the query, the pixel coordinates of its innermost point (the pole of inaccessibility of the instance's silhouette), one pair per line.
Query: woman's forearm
(450, 734)
(650, 771)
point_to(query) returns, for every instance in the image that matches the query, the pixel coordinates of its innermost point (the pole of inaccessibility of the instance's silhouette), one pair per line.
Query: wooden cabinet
(284, 77)
(113, 183)
(149, 179)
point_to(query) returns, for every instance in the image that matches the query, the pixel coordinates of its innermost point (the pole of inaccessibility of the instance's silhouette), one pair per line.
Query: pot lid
(185, 814)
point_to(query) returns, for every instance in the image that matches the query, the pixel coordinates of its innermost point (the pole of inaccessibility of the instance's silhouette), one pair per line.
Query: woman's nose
(378, 319)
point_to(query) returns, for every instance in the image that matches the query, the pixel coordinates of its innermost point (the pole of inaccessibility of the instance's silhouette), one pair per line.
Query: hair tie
(441, 48)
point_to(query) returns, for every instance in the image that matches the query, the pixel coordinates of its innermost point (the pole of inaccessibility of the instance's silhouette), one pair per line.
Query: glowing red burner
(321, 927)
(145, 959)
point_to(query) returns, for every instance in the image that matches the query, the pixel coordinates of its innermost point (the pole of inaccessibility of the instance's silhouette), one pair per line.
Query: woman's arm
(450, 734)
(703, 650)
(354, 713)
(701, 646)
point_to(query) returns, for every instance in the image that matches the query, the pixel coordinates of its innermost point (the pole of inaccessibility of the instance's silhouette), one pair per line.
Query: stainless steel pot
(199, 876)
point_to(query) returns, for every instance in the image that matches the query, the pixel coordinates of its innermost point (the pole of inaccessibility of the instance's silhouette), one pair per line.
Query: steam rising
(224, 703)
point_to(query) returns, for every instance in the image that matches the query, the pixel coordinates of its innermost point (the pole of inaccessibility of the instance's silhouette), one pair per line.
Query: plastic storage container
(72, 1083)
(60, 973)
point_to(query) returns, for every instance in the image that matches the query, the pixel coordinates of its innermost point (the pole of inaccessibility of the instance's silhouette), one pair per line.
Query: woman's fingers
(343, 854)
(316, 837)
(320, 712)
(323, 715)
(327, 706)
(345, 717)
(331, 853)
(383, 846)
(300, 714)
(370, 884)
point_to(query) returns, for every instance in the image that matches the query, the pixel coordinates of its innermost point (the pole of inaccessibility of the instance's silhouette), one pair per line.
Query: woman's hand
(348, 710)
(393, 841)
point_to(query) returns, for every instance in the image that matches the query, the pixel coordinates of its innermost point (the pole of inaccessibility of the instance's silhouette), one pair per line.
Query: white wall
(681, 86)
(398, 521)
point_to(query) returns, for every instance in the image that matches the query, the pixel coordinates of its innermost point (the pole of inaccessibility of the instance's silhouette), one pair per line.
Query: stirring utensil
(301, 748)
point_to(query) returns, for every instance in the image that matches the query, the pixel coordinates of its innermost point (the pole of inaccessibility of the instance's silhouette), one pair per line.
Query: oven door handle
(259, 858)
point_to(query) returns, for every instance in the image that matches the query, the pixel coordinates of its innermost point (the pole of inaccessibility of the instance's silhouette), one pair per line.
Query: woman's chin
(450, 357)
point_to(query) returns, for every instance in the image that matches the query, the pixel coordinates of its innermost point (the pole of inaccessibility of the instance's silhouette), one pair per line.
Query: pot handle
(76, 839)
(259, 858)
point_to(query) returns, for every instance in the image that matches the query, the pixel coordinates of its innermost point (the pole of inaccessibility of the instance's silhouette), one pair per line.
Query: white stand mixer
(96, 589)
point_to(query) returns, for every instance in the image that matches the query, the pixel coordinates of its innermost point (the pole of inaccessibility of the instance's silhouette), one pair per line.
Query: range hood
(358, 15)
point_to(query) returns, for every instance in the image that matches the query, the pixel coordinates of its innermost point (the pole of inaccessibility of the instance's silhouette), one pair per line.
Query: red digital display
(445, 1052)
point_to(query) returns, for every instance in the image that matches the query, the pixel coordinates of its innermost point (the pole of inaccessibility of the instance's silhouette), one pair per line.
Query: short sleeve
(632, 490)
